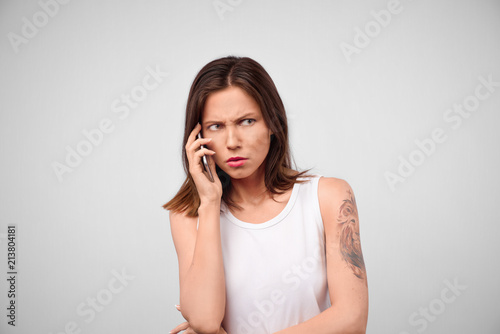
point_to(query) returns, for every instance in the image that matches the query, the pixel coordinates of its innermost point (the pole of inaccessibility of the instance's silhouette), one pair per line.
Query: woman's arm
(347, 280)
(201, 269)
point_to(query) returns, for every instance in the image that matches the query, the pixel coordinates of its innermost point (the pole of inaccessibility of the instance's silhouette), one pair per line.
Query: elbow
(357, 325)
(207, 324)
(205, 327)
(202, 325)
(203, 321)
(356, 330)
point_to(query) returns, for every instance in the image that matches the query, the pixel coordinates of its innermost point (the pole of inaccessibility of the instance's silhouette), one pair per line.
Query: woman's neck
(250, 191)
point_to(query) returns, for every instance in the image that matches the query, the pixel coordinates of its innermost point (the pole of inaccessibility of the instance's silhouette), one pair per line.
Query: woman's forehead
(230, 104)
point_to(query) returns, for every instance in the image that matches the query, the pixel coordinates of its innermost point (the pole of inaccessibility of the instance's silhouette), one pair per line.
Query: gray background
(350, 117)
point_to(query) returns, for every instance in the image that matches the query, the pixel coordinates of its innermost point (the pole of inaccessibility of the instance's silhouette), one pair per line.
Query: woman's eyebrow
(249, 114)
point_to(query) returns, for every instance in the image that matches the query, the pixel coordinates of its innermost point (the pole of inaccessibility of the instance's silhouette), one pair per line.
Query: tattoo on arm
(350, 245)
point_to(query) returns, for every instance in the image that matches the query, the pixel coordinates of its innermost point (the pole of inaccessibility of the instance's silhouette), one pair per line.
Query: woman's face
(234, 121)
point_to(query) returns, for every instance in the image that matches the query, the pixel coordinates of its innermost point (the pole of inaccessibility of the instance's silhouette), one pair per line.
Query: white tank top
(275, 271)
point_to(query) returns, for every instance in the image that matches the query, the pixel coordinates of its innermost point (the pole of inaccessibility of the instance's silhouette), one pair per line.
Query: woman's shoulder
(326, 184)
(331, 181)
(333, 192)
(329, 185)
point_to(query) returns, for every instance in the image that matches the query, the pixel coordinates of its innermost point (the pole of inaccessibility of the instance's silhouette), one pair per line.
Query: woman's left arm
(347, 280)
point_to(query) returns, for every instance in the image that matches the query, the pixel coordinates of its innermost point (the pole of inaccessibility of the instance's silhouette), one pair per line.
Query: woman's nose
(232, 140)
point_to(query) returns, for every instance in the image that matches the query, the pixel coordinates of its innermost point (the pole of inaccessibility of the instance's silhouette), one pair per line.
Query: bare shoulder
(181, 227)
(332, 191)
(180, 216)
(181, 219)
(334, 195)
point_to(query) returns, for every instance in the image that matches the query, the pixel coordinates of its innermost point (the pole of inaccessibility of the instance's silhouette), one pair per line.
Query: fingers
(198, 142)
(211, 164)
(181, 327)
(193, 134)
(194, 149)
(203, 151)
(193, 142)
(195, 162)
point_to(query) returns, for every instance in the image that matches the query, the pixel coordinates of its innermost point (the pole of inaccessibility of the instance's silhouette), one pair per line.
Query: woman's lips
(236, 163)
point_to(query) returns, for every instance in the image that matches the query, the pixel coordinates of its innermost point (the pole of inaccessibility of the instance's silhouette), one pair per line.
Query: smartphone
(205, 162)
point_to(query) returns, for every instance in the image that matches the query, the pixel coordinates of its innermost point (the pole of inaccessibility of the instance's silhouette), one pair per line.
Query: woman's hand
(208, 191)
(188, 330)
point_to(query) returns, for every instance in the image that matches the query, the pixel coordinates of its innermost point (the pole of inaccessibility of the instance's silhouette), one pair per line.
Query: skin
(349, 236)
(232, 125)
(235, 123)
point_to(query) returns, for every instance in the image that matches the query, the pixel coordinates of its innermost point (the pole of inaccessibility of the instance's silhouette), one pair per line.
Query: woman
(269, 249)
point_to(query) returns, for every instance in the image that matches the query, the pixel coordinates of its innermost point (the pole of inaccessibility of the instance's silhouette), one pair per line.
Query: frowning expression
(234, 121)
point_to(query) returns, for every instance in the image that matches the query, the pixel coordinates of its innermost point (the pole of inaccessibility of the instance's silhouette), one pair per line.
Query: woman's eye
(249, 121)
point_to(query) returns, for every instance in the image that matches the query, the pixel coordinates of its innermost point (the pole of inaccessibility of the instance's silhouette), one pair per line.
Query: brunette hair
(247, 74)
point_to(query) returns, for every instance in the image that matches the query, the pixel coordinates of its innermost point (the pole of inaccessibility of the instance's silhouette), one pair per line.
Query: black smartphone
(205, 162)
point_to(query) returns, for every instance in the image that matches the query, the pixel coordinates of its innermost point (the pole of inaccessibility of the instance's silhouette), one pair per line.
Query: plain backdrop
(365, 94)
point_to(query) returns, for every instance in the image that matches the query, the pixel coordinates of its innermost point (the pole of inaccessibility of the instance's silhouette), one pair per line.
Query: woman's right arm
(201, 268)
